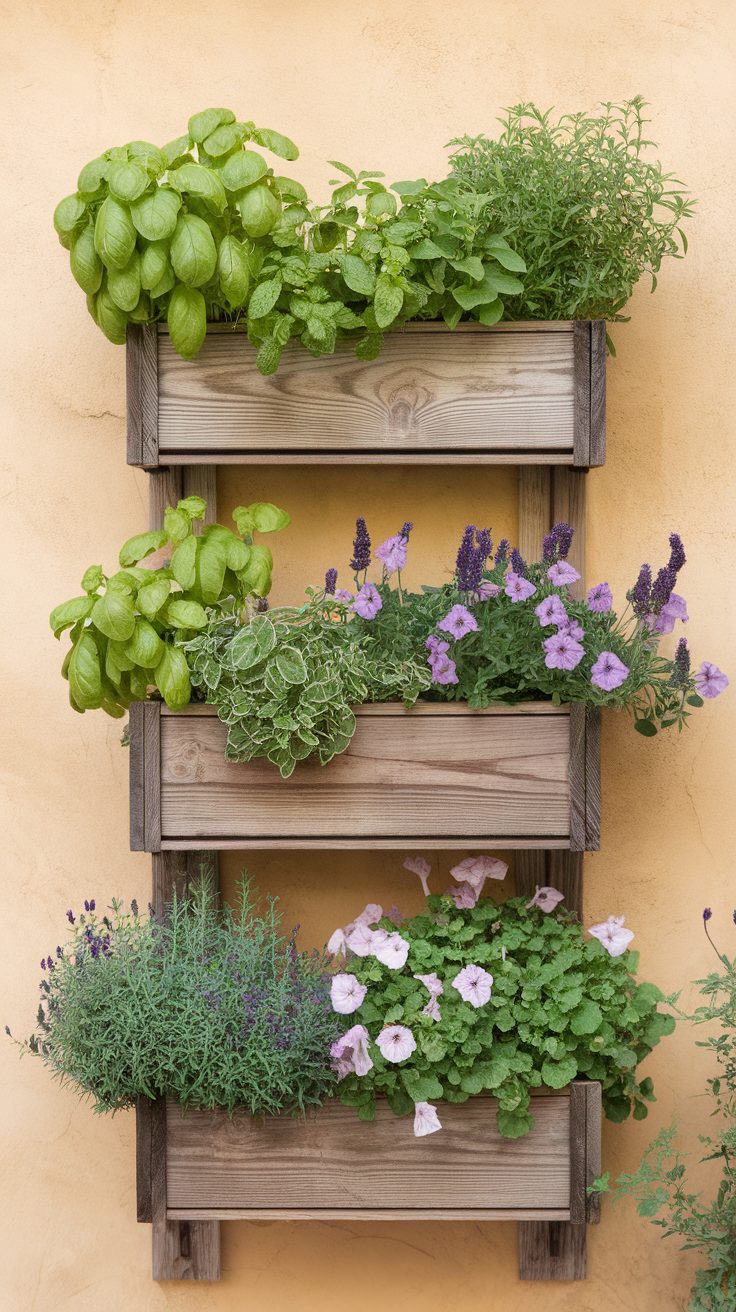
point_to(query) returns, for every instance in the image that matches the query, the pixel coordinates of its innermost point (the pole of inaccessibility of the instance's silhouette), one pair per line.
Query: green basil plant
(124, 627)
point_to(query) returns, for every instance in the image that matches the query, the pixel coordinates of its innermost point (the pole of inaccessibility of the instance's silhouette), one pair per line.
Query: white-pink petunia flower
(392, 952)
(432, 983)
(396, 1042)
(360, 939)
(432, 1009)
(475, 870)
(370, 915)
(463, 895)
(419, 866)
(346, 993)
(337, 944)
(612, 935)
(426, 1120)
(350, 1054)
(474, 985)
(546, 898)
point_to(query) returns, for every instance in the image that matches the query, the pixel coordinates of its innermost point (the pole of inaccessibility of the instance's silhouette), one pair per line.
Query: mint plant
(125, 628)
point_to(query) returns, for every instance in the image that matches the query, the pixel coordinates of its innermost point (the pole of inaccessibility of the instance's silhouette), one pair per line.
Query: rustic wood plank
(143, 1143)
(136, 769)
(568, 505)
(594, 1119)
(581, 415)
(165, 488)
(598, 357)
(565, 872)
(369, 709)
(201, 481)
(440, 458)
(577, 760)
(592, 778)
(333, 1160)
(141, 371)
(511, 389)
(496, 776)
(552, 1250)
(578, 1151)
(535, 509)
(151, 777)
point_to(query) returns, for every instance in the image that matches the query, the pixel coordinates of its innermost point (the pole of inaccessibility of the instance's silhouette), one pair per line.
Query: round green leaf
(259, 210)
(67, 614)
(148, 156)
(86, 264)
(223, 139)
(256, 576)
(111, 319)
(193, 252)
(114, 234)
(177, 150)
(113, 615)
(172, 678)
(243, 169)
(358, 276)
(152, 596)
(124, 285)
(291, 667)
(253, 643)
(85, 676)
(267, 518)
(92, 176)
(556, 1074)
(196, 180)
(232, 271)
(127, 180)
(187, 320)
(290, 189)
(92, 578)
(145, 647)
(203, 124)
(140, 546)
(154, 264)
(155, 215)
(182, 614)
(586, 1018)
(211, 566)
(68, 215)
(388, 300)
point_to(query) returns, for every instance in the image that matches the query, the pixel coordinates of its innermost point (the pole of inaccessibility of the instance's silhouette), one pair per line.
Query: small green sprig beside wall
(553, 219)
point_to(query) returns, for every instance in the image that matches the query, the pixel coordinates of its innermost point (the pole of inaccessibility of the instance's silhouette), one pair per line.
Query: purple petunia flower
(608, 672)
(518, 588)
(562, 573)
(486, 590)
(437, 645)
(600, 598)
(342, 594)
(392, 553)
(443, 670)
(710, 681)
(368, 602)
(562, 652)
(330, 582)
(361, 547)
(551, 611)
(573, 630)
(458, 622)
(673, 610)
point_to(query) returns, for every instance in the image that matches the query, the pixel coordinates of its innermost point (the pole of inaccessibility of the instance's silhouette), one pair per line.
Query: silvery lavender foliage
(212, 1006)
(361, 547)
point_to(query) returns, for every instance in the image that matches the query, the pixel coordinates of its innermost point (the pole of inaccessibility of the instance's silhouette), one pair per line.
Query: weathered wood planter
(330, 1165)
(518, 392)
(438, 775)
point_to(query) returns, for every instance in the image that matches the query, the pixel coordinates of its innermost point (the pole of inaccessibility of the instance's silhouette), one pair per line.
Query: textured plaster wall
(381, 85)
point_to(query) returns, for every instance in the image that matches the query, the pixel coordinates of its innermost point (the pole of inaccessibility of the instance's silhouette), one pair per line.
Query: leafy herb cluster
(585, 206)
(212, 1006)
(661, 1184)
(125, 628)
(561, 1008)
(552, 220)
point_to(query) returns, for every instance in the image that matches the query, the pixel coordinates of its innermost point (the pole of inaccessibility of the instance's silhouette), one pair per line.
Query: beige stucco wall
(381, 85)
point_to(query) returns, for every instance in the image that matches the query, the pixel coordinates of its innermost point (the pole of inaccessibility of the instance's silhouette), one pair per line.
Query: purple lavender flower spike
(405, 530)
(640, 595)
(565, 534)
(662, 588)
(70, 917)
(549, 548)
(677, 553)
(518, 564)
(330, 582)
(465, 565)
(681, 665)
(502, 551)
(361, 546)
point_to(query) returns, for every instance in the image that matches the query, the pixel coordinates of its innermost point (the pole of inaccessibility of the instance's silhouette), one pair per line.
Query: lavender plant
(661, 1185)
(470, 997)
(212, 1006)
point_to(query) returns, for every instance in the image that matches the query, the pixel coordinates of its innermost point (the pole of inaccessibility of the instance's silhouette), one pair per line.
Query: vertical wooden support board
(141, 363)
(589, 413)
(145, 777)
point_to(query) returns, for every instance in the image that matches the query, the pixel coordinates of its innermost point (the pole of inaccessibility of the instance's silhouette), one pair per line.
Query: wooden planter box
(332, 1166)
(518, 392)
(439, 776)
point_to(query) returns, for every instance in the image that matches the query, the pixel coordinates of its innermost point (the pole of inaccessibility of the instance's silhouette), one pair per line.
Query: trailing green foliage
(583, 204)
(661, 1185)
(213, 1007)
(285, 683)
(552, 220)
(125, 628)
(560, 1008)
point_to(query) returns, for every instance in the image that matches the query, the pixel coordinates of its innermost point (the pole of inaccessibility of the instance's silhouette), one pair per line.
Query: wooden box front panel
(531, 391)
(333, 1164)
(435, 773)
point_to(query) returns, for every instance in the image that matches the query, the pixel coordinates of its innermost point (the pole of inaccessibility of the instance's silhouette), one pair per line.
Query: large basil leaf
(64, 616)
(145, 647)
(127, 180)
(184, 563)
(275, 141)
(85, 677)
(199, 181)
(183, 614)
(202, 124)
(155, 216)
(140, 546)
(186, 319)
(232, 271)
(211, 566)
(114, 234)
(259, 210)
(172, 678)
(242, 169)
(152, 596)
(193, 252)
(86, 265)
(113, 615)
(124, 285)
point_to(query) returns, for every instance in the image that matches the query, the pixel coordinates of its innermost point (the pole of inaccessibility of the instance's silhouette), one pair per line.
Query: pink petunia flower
(432, 1009)
(392, 952)
(562, 573)
(350, 1054)
(360, 939)
(346, 993)
(546, 898)
(562, 652)
(474, 985)
(463, 895)
(600, 598)
(551, 611)
(370, 915)
(458, 622)
(487, 590)
(612, 935)
(608, 672)
(475, 870)
(426, 1120)
(432, 983)
(443, 670)
(518, 588)
(396, 1043)
(393, 553)
(342, 594)
(420, 867)
(337, 944)
(710, 681)
(368, 602)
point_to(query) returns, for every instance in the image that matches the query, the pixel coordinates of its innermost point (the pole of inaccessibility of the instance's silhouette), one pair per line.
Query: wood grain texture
(577, 777)
(509, 388)
(144, 729)
(562, 870)
(181, 1250)
(535, 509)
(165, 488)
(446, 776)
(593, 1164)
(552, 1250)
(581, 413)
(568, 489)
(141, 376)
(592, 778)
(331, 1160)
(143, 1141)
(598, 357)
